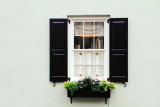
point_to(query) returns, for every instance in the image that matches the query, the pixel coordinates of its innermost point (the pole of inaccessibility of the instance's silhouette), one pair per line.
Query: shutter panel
(58, 49)
(118, 49)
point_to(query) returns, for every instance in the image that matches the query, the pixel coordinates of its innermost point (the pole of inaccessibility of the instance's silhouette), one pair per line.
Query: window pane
(101, 71)
(88, 28)
(99, 28)
(99, 42)
(88, 58)
(101, 58)
(78, 42)
(88, 42)
(78, 28)
(77, 70)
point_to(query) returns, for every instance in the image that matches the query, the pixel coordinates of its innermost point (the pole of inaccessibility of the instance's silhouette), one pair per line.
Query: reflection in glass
(99, 42)
(78, 42)
(99, 28)
(78, 28)
(88, 28)
(88, 42)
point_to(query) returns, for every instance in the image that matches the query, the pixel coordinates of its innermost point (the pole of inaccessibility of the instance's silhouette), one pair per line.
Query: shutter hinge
(108, 79)
(54, 83)
(108, 20)
(69, 21)
(68, 79)
(125, 85)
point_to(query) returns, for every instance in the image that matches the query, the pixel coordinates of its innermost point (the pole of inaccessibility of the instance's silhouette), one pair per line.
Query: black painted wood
(58, 49)
(118, 49)
(87, 93)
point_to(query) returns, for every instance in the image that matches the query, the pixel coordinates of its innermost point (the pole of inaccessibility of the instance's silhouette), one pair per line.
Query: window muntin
(89, 49)
(88, 35)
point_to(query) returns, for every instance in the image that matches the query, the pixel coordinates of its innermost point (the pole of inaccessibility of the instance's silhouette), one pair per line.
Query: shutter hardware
(108, 20)
(69, 21)
(54, 83)
(125, 85)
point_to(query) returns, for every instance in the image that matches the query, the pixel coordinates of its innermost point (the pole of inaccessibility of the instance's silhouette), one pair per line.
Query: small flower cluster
(95, 85)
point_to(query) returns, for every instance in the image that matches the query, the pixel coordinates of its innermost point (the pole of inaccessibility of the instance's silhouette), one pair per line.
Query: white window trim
(71, 44)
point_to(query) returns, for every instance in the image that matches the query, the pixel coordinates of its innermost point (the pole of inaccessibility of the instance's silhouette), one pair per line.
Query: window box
(87, 93)
(89, 88)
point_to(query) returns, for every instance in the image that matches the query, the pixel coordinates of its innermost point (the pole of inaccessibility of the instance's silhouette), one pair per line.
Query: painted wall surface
(24, 52)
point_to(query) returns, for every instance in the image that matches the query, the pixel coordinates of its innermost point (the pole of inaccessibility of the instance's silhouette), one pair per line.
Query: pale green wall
(24, 52)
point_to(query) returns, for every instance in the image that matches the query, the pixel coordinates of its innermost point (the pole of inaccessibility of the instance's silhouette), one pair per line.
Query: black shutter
(58, 49)
(118, 49)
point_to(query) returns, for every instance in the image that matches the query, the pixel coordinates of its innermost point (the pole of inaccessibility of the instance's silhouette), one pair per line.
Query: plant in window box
(88, 87)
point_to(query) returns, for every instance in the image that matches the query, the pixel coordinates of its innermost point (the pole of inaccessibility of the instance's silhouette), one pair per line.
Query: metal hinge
(108, 20)
(125, 85)
(54, 83)
(68, 79)
(69, 21)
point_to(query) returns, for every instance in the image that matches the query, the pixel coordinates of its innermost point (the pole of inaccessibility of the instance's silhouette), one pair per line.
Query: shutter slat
(118, 49)
(58, 50)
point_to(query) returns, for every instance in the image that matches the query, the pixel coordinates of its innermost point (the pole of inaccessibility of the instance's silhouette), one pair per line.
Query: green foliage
(71, 86)
(95, 85)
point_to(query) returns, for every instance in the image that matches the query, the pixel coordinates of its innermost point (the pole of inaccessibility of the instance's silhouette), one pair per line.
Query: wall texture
(24, 52)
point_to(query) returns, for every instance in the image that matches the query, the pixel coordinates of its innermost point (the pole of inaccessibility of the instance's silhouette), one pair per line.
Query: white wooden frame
(71, 44)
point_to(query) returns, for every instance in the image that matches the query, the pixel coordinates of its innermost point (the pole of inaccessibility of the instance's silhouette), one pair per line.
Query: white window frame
(71, 44)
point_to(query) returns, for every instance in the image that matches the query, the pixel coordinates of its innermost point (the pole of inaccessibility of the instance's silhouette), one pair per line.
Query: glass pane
(88, 58)
(89, 70)
(101, 71)
(99, 42)
(78, 28)
(78, 42)
(101, 58)
(99, 28)
(85, 71)
(93, 71)
(77, 70)
(76, 58)
(88, 28)
(88, 43)
(85, 58)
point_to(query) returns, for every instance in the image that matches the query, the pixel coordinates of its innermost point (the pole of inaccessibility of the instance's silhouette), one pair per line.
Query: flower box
(87, 93)
(89, 88)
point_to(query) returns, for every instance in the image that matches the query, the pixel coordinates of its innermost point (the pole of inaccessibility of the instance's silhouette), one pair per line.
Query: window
(86, 41)
(95, 46)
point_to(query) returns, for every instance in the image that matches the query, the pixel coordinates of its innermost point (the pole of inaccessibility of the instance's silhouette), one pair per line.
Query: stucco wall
(24, 52)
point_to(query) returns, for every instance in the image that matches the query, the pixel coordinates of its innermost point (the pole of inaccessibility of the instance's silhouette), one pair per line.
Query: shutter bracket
(54, 83)
(68, 79)
(125, 85)
(69, 21)
(108, 20)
